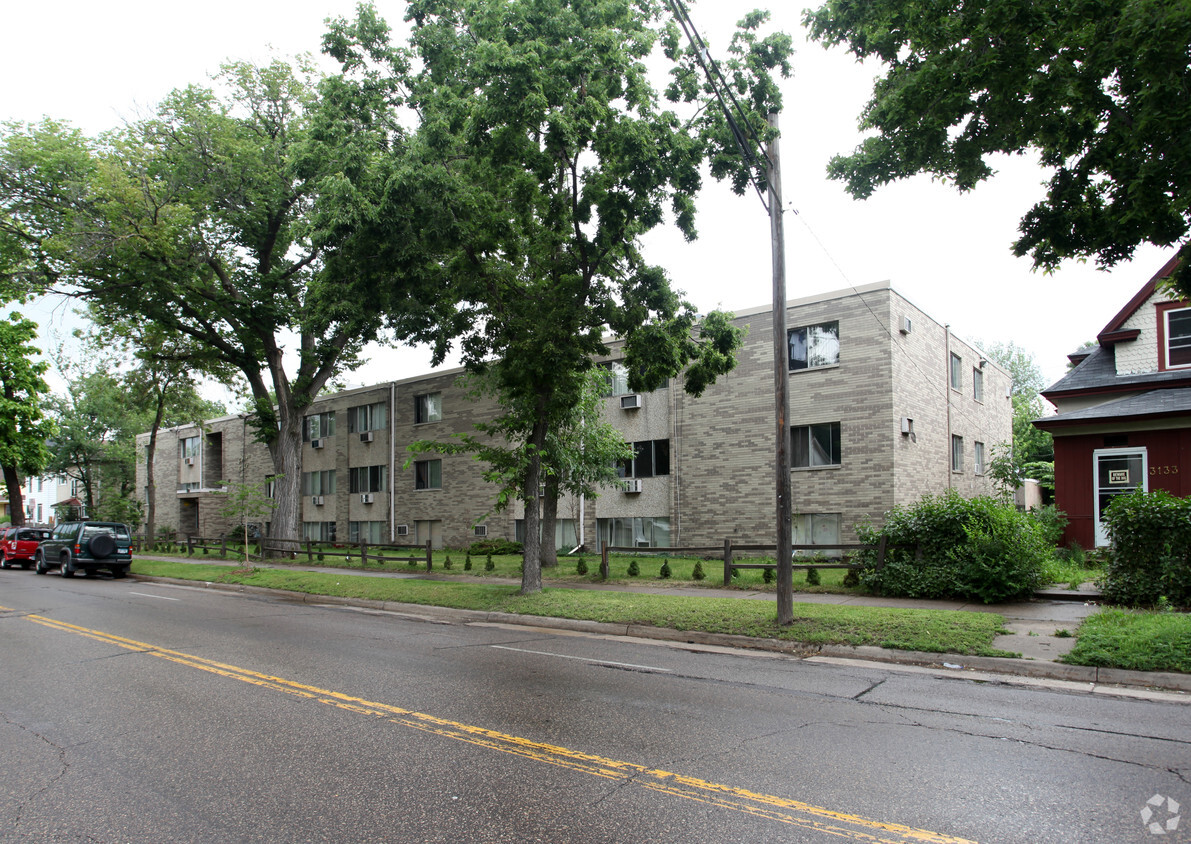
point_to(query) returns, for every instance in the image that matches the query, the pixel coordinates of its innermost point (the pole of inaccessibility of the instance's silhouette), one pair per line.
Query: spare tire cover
(101, 546)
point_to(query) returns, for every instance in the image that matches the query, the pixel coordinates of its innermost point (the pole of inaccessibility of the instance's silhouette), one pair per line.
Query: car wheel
(39, 563)
(119, 573)
(4, 560)
(66, 570)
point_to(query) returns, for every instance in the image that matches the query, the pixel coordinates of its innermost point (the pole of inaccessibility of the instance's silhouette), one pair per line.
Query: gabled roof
(1097, 373)
(1112, 332)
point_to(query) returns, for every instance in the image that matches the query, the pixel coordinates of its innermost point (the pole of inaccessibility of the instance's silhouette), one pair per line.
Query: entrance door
(1117, 471)
(429, 530)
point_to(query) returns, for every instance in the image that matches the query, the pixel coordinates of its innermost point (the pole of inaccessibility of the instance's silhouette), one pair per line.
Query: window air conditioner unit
(316, 500)
(642, 543)
(907, 325)
(907, 425)
(316, 443)
(367, 436)
(189, 461)
(632, 485)
(481, 530)
(366, 498)
(403, 530)
(630, 402)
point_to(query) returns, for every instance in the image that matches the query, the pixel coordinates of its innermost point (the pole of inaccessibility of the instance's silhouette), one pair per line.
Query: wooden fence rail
(728, 550)
(294, 548)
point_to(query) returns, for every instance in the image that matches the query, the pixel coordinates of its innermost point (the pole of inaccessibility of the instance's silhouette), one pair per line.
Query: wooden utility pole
(781, 383)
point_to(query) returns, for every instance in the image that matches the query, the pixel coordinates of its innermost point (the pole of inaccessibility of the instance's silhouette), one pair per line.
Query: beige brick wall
(721, 445)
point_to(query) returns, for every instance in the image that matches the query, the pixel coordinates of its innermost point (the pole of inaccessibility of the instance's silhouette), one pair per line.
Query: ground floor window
(373, 532)
(565, 535)
(643, 532)
(817, 529)
(318, 531)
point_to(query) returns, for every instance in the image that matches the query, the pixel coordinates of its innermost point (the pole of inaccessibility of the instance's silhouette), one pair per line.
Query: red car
(19, 544)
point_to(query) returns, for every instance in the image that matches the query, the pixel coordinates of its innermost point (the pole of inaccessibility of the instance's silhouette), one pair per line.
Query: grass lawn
(936, 631)
(1141, 641)
(682, 569)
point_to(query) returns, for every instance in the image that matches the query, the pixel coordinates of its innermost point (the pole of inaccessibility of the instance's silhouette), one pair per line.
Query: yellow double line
(778, 809)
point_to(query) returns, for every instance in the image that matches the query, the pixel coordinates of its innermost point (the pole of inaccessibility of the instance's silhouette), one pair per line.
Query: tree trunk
(150, 481)
(16, 505)
(531, 571)
(286, 451)
(549, 551)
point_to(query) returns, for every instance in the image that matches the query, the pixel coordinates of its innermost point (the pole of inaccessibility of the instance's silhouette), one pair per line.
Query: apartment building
(886, 405)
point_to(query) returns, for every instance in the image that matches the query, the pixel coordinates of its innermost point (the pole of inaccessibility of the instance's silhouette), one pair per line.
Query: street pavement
(1035, 629)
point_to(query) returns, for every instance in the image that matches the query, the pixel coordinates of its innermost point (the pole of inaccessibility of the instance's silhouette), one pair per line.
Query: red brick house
(1124, 411)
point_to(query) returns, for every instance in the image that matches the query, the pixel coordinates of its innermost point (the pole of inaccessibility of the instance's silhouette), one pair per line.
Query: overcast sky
(96, 64)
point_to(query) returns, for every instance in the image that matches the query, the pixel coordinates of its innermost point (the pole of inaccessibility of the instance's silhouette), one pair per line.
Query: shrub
(664, 572)
(488, 564)
(968, 548)
(634, 569)
(812, 577)
(1052, 521)
(446, 564)
(581, 566)
(467, 563)
(1149, 556)
(697, 571)
(495, 546)
(767, 575)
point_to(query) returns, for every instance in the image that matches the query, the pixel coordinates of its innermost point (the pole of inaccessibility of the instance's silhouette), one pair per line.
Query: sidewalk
(1032, 625)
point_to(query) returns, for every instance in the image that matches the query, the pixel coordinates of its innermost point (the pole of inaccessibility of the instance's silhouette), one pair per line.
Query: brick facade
(720, 481)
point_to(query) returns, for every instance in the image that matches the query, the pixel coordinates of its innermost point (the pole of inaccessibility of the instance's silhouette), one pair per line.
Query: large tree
(232, 217)
(24, 428)
(1100, 89)
(543, 134)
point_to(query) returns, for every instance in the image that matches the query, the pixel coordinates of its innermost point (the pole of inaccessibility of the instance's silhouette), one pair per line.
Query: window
(317, 426)
(978, 457)
(957, 372)
(366, 417)
(1178, 337)
(317, 483)
(816, 445)
(816, 529)
(978, 384)
(318, 531)
(814, 345)
(427, 408)
(428, 474)
(271, 486)
(646, 532)
(190, 446)
(650, 459)
(193, 486)
(565, 535)
(957, 453)
(369, 478)
(371, 532)
(618, 380)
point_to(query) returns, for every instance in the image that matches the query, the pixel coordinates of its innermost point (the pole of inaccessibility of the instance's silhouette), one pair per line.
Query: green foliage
(851, 579)
(664, 572)
(24, 428)
(971, 548)
(467, 563)
(488, 564)
(697, 571)
(581, 566)
(634, 569)
(1149, 556)
(767, 576)
(446, 564)
(494, 546)
(1096, 89)
(812, 577)
(1136, 641)
(1053, 522)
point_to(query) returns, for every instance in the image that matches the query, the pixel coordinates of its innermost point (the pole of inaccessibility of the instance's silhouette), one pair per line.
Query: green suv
(86, 546)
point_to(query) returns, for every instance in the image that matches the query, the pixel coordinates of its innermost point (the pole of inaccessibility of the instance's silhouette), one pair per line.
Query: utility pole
(781, 384)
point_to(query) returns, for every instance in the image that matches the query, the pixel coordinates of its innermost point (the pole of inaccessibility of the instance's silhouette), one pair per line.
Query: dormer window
(1178, 338)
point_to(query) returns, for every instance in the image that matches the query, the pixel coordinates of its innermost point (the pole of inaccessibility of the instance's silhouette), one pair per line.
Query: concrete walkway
(1036, 629)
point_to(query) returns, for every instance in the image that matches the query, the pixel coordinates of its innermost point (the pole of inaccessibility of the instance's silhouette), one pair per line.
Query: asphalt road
(134, 712)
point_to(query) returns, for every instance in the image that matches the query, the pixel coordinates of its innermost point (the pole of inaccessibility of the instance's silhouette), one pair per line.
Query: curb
(1090, 675)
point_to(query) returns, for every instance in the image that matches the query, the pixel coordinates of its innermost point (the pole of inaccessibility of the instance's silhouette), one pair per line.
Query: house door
(429, 530)
(1117, 471)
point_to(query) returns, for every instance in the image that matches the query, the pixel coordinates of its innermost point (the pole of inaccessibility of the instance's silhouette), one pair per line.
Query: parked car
(18, 546)
(87, 547)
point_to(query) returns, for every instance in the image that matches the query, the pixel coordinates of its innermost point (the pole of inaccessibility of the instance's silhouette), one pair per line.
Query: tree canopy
(543, 134)
(230, 217)
(1100, 89)
(24, 427)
